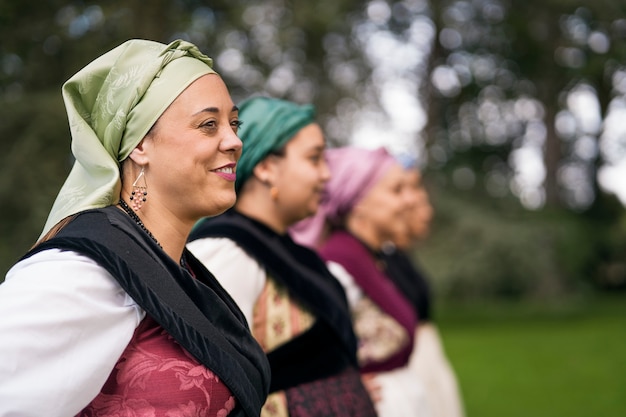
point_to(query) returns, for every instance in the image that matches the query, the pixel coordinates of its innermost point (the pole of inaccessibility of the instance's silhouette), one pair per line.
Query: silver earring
(139, 194)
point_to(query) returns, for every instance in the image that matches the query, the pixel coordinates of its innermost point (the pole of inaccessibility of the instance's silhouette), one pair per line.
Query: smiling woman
(109, 314)
(194, 142)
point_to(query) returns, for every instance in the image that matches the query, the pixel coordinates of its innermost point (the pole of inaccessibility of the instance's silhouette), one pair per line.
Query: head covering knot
(268, 124)
(353, 173)
(111, 105)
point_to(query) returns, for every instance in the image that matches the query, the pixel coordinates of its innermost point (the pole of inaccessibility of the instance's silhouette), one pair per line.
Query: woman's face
(300, 174)
(191, 154)
(384, 207)
(420, 213)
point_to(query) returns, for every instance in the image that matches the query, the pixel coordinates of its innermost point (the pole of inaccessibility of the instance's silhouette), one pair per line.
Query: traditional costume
(108, 324)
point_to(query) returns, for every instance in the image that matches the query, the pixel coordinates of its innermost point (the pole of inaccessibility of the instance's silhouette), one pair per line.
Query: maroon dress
(156, 377)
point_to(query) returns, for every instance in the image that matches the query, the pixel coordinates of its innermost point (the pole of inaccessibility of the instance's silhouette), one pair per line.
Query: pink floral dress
(156, 377)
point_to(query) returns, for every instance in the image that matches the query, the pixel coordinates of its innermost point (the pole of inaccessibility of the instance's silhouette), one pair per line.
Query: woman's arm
(65, 322)
(353, 292)
(240, 275)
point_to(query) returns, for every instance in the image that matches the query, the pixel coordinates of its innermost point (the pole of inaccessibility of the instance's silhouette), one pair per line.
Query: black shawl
(330, 345)
(198, 312)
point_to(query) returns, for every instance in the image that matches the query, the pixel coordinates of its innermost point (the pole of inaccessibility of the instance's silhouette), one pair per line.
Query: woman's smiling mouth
(227, 172)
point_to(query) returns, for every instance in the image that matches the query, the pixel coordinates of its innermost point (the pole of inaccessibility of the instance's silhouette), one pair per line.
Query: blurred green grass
(564, 358)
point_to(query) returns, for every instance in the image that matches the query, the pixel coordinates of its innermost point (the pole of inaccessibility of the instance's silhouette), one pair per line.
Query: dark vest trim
(198, 313)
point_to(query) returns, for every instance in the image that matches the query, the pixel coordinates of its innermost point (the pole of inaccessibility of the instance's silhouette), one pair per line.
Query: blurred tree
(524, 98)
(520, 91)
(484, 92)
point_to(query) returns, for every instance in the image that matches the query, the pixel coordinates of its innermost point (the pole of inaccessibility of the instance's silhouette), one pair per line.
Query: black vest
(198, 312)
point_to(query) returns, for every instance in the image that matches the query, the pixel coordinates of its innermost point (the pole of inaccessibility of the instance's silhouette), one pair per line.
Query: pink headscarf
(354, 171)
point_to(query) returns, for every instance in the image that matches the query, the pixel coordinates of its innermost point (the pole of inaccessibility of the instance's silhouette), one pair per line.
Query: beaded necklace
(133, 215)
(137, 220)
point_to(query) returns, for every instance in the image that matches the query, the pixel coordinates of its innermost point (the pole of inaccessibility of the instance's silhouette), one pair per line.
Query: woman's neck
(261, 211)
(169, 232)
(365, 234)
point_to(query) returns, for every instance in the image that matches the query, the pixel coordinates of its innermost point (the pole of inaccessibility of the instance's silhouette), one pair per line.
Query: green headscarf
(268, 124)
(111, 105)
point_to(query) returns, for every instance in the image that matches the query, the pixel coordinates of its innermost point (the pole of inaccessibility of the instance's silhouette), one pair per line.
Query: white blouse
(65, 323)
(224, 258)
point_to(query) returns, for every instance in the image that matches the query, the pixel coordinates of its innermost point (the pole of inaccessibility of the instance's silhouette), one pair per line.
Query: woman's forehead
(207, 93)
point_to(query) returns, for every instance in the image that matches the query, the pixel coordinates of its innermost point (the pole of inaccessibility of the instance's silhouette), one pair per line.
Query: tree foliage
(479, 91)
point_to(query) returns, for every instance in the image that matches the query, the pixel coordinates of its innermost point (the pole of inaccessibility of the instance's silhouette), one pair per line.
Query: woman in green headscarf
(109, 314)
(296, 309)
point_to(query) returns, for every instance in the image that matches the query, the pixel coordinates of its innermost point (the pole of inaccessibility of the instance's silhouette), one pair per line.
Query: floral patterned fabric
(379, 335)
(277, 319)
(340, 395)
(156, 377)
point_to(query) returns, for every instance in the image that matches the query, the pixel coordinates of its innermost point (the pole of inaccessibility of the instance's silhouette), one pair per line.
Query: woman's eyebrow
(215, 110)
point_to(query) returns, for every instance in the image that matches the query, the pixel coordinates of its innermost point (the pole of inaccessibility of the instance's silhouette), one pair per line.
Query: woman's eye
(211, 124)
(236, 124)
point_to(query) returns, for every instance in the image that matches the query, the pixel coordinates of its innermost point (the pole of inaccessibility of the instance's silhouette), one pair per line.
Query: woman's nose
(231, 142)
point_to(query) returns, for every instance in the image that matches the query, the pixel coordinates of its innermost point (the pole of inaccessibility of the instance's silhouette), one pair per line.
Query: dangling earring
(274, 193)
(138, 195)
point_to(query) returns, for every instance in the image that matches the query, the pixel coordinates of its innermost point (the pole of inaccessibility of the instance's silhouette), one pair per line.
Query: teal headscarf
(268, 124)
(111, 105)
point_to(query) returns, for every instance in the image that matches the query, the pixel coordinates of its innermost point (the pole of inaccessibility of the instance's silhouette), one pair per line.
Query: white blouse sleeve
(240, 275)
(65, 323)
(353, 292)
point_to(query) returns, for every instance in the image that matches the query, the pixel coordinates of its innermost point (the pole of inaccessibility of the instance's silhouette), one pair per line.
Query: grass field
(564, 359)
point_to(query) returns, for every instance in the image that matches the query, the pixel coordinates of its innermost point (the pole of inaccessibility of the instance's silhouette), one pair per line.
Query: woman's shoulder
(55, 265)
(236, 271)
(51, 257)
(212, 249)
(342, 246)
(68, 271)
(226, 259)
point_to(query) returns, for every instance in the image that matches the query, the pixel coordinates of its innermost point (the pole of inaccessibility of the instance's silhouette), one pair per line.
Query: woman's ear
(265, 171)
(139, 154)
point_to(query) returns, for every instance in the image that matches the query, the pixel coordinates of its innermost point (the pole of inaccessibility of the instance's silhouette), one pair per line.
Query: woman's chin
(310, 212)
(219, 207)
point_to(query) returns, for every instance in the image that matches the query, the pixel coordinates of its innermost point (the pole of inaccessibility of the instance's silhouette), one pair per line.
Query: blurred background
(514, 110)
